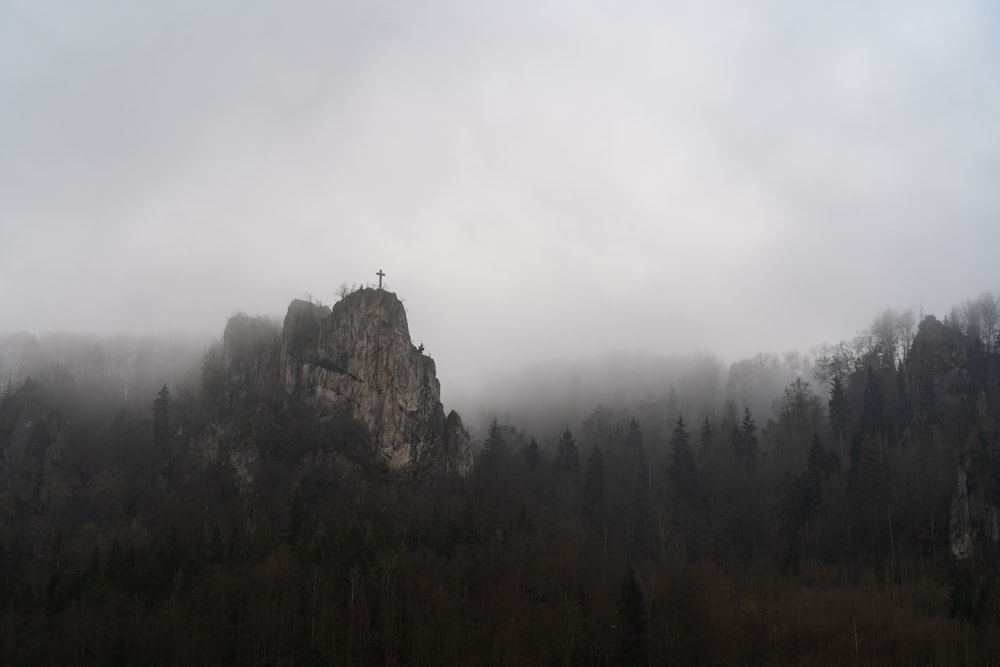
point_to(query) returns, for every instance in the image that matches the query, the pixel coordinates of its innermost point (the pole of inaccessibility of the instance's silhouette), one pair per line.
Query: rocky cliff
(953, 399)
(357, 357)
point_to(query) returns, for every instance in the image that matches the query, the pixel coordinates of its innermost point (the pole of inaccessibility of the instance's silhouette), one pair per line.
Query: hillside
(309, 502)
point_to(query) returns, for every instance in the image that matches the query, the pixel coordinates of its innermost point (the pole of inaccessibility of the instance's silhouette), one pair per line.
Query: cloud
(537, 179)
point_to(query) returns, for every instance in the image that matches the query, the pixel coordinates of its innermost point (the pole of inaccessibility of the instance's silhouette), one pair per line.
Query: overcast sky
(537, 179)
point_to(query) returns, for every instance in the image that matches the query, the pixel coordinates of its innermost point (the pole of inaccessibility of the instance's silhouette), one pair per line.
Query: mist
(674, 264)
(540, 183)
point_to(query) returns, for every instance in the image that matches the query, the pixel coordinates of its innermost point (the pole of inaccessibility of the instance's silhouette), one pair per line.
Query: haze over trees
(829, 507)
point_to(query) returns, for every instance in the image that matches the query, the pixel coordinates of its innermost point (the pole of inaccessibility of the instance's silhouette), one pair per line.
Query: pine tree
(821, 461)
(839, 412)
(593, 483)
(745, 439)
(567, 461)
(567, 470)
(532, 455)
(707, 435)
(633, 436)
(494, 440)
(161, 420)
(688, 517)
(632, 614)
(490, 468)
(682, 464)
(873, 417)
(641, 505)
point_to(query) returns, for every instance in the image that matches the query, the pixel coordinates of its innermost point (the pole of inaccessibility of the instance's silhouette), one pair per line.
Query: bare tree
(989, 317)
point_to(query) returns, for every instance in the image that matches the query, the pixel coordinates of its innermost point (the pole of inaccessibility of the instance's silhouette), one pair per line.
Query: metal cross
(380, 276)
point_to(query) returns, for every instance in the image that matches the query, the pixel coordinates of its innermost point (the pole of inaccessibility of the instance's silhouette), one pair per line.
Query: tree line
(667, 530)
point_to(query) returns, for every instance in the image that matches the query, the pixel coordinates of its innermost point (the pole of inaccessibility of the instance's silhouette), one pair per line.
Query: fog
(541, 182)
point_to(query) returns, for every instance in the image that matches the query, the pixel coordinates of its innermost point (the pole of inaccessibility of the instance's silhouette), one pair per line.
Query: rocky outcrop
(357, 359)
(250, 360)
(945, 371)
(974, 520)
(938, 369)
(456, 457)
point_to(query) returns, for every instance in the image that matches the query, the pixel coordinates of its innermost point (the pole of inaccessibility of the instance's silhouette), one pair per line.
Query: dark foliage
(224, 524)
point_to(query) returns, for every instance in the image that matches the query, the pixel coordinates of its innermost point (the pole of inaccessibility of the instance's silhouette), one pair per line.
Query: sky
(539, 180)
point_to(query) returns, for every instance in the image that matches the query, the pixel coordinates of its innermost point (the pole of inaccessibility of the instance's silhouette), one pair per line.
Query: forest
(835, 507)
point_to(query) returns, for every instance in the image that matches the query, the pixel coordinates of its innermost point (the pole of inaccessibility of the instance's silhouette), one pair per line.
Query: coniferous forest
(836, 507)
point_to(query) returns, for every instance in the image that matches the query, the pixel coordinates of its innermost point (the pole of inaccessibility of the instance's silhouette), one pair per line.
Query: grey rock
(358, 358)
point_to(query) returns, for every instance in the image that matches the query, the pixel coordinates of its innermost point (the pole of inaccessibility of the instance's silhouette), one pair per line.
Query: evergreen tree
(745, 439)
(161, 420)
(799, 500)
(567, 461)
(641, 505)
(632, 615)
(494, 440)
(839, 412)
(633, 435)
(687, 508)
(707, 435)
(798, 504)
(490, 468)
(567, 470)
(593, 484)
(682, 464)
(821, 461)
(532, 455)
(872, 419)
(871, 491)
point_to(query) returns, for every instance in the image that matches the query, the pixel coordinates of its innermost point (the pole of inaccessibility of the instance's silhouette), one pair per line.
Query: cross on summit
(380, 276)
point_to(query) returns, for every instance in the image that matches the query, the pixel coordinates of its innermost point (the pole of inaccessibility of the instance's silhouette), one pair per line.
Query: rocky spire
(358, 358)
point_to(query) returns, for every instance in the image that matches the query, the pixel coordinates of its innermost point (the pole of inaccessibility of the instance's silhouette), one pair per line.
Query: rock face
(357, 358)
(251, 350)
(945, 372)
(939, 369)
(973, 520)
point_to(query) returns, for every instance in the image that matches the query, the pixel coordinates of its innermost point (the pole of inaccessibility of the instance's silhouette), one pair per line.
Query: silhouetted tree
(532, 455)
(494, 443)
(707, 436)
(839, 412)
(161, 421)
(593, 484)
(632, 616)
(567, 461)
(745, 439)
(682, 468)
(641, 506)
(491, 474)
(822, 462)
(633, 435)
(872, 418)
